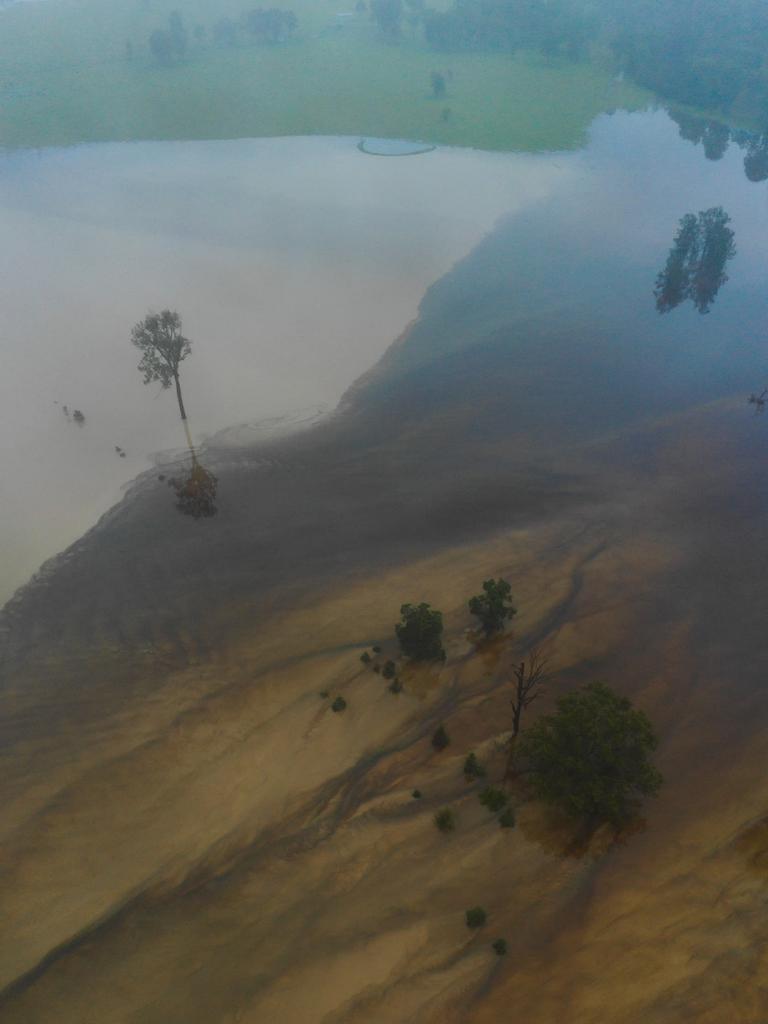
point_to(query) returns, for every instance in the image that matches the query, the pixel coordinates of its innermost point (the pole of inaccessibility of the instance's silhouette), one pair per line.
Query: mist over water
(294, 263)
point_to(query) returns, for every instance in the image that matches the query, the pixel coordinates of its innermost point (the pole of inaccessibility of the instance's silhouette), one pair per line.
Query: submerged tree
(493, 607)
(592, 756)
(527, 677)
(196, 492)
(695, 267)
(420, 632)
(163, 348)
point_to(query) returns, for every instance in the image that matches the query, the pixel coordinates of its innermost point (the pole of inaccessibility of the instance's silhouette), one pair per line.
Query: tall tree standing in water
(163, 348)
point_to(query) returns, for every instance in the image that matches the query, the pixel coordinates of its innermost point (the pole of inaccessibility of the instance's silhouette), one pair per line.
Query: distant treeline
(555, 27)
(260, 24)
(705, 53)
(711, 54)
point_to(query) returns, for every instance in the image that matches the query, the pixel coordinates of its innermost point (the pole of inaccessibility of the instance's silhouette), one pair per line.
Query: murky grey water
(294, 263)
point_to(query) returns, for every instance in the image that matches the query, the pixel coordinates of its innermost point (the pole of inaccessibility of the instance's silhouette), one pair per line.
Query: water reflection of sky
(583, 260)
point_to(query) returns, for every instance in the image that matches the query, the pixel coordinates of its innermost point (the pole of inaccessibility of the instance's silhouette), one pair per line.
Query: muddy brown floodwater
(294, 262)
(191, 834)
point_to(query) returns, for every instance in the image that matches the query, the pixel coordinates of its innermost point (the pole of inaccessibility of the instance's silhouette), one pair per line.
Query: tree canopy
(493, 607)
(420, 632)
(163, 348)
(591, 757)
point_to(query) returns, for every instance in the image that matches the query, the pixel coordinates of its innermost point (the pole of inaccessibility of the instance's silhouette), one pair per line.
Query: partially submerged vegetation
(591, 758)
(493, 608)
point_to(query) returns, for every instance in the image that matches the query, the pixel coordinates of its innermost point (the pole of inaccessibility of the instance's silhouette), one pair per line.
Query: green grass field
(65, 78)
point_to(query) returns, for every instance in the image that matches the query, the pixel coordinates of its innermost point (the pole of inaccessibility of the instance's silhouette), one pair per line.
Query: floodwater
(192, 835)
(294, 264)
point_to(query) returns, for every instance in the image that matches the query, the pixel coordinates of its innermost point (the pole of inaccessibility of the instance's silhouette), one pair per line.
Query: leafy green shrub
(416, 794)
(376, 649)
(395, 686)
(440, 739)
(420, 632)
(500, 947)
(365, 658)
(492, 798)
(445, 820)
(493, 607)
(472, 767)
(476, 917)
(591, 757)
(507, 818)
(339, 704)
(390, 670)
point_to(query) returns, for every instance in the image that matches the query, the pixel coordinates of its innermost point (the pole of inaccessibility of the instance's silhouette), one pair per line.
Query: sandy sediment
(191, 834)
(229, 849)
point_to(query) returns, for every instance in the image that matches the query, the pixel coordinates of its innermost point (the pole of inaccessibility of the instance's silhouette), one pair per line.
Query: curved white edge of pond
(394, 147)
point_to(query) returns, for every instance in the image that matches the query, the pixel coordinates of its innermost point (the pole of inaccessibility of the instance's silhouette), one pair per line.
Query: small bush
(420, 632)
(365, 658)
(507, 818)
(376, 649)
(416, 794)
(472, 767)
(339, 704)
(476, 917)
(493, 607)
(493, 799)
(390, 670)
(441, 739)
(500, 947)
(445, 820)
(395, 686)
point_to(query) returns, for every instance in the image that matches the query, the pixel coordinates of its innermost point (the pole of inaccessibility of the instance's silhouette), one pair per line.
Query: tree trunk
(178, 395)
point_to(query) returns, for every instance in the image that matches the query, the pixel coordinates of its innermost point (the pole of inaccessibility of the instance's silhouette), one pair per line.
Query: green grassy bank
(65, 78)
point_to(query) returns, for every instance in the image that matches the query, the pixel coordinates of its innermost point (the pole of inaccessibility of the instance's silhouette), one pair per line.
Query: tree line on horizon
(701, 53)
(270, 25)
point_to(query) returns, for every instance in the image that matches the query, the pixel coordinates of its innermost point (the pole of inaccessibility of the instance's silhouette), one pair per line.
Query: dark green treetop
(420, 632)
(591, 757)
(493, 607)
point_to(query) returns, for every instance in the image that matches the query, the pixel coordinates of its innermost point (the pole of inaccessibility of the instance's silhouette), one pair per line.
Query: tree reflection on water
(196, 489)
(715, 137)
(695, 267)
